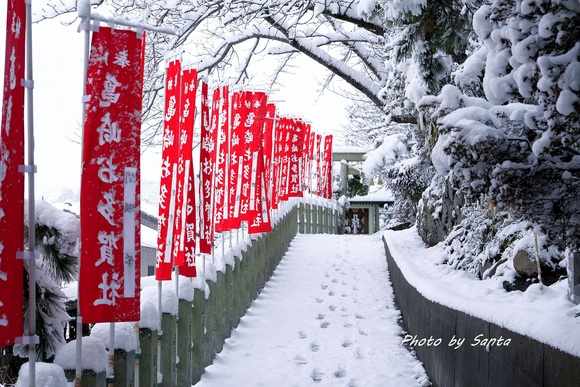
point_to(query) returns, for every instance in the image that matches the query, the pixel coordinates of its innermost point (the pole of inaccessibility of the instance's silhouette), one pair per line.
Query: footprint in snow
(359, 316)
(363, 332)
(332, 307)
(314, 346)
(317, 375)
(302, 334)
(331, 292)
(347, 325)
(327, 274)
(324, 324)
(300, 360)
(319, 300)
(346, 343)
(323, 286)
(340, 373)
(334, 280)
(320, 316)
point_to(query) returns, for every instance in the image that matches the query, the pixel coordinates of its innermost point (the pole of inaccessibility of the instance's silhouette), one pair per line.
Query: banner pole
(84, 13)
(176, 317)
(111, 370)
(28, 83)
(159, 330)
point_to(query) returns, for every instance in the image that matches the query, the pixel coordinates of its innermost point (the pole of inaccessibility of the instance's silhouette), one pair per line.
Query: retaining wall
(522, 362)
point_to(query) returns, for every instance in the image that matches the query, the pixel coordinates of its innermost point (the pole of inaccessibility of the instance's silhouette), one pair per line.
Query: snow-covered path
(325, 318)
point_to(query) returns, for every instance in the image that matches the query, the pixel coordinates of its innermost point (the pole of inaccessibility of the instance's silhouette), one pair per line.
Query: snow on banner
(184, 235)
(110, 216)
(11, 179)
(168, 181)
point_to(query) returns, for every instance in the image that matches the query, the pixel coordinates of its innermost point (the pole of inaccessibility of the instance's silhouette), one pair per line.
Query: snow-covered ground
(326, 317)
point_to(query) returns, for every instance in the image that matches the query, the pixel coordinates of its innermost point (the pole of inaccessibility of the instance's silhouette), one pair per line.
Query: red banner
(280, 161)
(268, 136)
(318, 156)
(260, 220)
(296, 159)
(207, 157)
(168, 182)
(306, 161)
(327, 168)
(12, 180)
(252, 157)
(311, 161)
(221, 185)
(110, 217)
(185, 209)
(236, 161)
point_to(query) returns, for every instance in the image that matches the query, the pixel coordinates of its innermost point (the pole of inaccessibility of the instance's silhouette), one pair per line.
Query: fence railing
(193, 336)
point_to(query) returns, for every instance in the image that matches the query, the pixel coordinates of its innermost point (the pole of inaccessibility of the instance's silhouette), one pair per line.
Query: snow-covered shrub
(439, 209)
(403, 168)
(485, 243)
(519, 146)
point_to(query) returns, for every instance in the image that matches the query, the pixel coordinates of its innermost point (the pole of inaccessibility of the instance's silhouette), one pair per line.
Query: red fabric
(306, 158)
(318, 156)
(268, 150)
(110, 217)
(236, 161)
(185, 210)
(327, 169)
(207, 160)
(260, 216)
(295, 165)
(169, 176)
(12, 183)
(281, 159)
(221, 183)
(311, 160)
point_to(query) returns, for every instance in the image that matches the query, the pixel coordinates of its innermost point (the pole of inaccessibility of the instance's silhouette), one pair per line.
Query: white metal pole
(176, 319)
(79, 323)
(111, 370)
(159, 330)
(137, 355)
(28, 83)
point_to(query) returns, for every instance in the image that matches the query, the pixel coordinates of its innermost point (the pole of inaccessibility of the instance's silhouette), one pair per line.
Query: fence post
(301, 218)
(238, 296)
(124, 367)
(229, 304)
(183, 342)
(148, 357)
(167, 349)
(197, 337)
(209, 325)
(308, 218)
(90, 377)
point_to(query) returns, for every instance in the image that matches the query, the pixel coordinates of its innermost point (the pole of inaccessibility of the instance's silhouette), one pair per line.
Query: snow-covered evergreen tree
(57, 233)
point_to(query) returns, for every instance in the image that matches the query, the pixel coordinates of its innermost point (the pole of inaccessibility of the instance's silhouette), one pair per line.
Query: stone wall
(495, 362)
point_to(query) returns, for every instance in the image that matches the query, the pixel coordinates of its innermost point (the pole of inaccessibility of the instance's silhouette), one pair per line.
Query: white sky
(57, 72)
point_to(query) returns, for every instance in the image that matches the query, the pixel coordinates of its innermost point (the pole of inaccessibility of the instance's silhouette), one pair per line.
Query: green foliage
(442, 28)
(50, 315)
(356, 187)
(408, 180)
